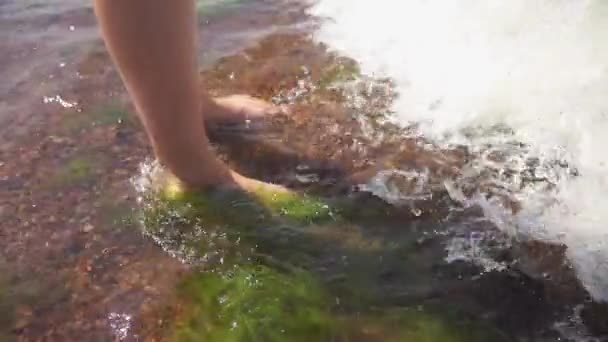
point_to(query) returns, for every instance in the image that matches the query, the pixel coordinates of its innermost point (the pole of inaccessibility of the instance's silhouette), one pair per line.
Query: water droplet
(120, 325)
(58, 99)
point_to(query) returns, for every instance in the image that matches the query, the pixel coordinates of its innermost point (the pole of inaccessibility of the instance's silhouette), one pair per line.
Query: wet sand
(75, 265)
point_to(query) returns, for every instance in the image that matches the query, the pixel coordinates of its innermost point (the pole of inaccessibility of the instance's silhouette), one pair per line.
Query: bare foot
(238, 109)
(224, 180)
(251, 185)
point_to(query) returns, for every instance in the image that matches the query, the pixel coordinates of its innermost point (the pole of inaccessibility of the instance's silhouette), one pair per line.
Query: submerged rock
(254, 303)
(381, 268)
(258, 303)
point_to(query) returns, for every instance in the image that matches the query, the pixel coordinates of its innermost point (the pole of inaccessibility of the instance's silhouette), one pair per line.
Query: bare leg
(153, 43)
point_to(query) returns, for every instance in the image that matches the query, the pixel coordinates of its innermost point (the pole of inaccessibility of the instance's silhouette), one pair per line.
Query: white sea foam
(536, 67)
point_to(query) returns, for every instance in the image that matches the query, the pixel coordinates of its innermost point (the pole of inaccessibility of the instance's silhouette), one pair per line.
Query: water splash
(58, 99)
(399, 187)
(472, 249)
(166, 233)
(120, 325)
(522, 85)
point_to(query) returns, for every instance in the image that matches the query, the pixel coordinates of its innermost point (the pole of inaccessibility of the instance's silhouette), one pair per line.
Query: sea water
(523, 79)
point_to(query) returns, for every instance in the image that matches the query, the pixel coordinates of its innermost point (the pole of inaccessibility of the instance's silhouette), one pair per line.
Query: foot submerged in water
(239, 110)
(173, 188)
(275, 199)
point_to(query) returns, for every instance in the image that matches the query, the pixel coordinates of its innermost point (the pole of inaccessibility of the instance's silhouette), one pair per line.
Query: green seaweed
(233, 226)
(75, 122)
(254, 303)
(224, 227)
(259, 303)
(265, 254)
(297, 207)
(78, 170)
(237, 207)
(264, 284)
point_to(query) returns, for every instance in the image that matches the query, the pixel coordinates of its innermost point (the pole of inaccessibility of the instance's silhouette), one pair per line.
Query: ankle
(199, 173)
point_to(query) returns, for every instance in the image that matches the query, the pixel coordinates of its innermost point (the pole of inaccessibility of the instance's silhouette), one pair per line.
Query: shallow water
(397, 233)
(489, 75)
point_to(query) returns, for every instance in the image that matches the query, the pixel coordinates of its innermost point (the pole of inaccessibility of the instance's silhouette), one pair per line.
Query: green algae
(240, 208)
(262, 203)
(254, 303)
(265, 256)
(233, 226)
(229, 227)
(75, 122)
(297, 207)
(78, 170)
(259, 303)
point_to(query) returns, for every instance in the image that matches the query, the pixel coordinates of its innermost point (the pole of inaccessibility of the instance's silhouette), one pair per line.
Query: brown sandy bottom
(76, 267)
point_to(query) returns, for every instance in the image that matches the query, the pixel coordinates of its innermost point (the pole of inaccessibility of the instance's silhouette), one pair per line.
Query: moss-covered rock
(231, 206)
(254, 303)
(226, 227)
(294, 206)
(291, 267)
(258, 303)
